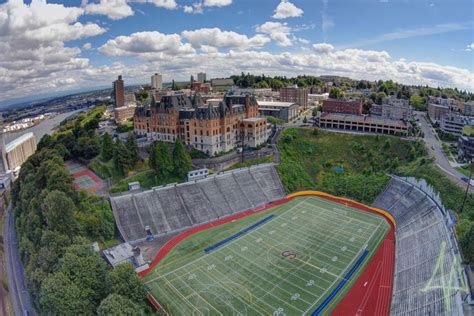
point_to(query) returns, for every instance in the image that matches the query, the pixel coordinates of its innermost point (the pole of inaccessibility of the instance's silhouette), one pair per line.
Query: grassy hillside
(313, 159)
(343, 164)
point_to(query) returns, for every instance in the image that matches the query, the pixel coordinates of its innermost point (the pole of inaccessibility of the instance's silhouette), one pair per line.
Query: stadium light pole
(467, 187)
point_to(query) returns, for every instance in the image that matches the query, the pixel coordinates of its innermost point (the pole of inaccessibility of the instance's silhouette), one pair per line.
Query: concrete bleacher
(173, 208)
(423, 239)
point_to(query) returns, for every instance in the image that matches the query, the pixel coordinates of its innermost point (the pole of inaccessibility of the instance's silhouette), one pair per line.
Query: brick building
(211, 128)
(342, 106)
(118, 92)
(437, 111)
(295, 95)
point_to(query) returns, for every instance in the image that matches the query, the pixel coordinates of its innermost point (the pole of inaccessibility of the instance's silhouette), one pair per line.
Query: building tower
(192, 79)
(202, 77)
(118, 93)
(156, 81)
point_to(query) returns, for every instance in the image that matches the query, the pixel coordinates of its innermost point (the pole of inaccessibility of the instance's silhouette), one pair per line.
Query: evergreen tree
(163, 161)
(181, 159)
(121, 158)
(132, 148)
(152, 160)
(107, 149)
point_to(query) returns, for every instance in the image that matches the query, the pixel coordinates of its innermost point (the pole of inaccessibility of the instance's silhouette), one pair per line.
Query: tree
(379, 97)
(160, 159)
(87, 147)
(418, 102)
(305, 120)
(58, 209)
(107, 149)
(119, 305)
(85, 268)
(124, 281)
(60, 296)
(336, 93)
(121, 158)
(132, 148)
(181, 159)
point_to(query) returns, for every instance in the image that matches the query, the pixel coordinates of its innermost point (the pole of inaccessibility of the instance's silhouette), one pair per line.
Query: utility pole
(467, 187)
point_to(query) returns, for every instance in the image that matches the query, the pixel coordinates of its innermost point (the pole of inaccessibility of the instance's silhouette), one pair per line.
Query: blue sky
(412, 41)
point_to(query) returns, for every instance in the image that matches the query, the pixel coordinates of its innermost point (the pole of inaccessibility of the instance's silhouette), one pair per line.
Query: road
(16, 276)
(434, 148)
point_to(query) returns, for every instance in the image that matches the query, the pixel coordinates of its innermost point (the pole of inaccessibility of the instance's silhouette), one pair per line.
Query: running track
(369, 295)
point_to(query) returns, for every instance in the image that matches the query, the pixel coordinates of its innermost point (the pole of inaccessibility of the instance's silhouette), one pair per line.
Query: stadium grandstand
(428, 277)
(176, 207)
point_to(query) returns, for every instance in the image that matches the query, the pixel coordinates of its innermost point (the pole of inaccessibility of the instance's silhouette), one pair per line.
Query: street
(16, 276)
(434, 149)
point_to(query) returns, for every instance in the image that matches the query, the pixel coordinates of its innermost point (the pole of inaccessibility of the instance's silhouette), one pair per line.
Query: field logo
(447, 281)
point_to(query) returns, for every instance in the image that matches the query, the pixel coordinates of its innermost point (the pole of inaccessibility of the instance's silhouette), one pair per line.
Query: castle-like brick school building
(210, 128)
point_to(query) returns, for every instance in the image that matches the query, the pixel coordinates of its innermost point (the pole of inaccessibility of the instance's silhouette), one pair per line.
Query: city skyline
(85, 44)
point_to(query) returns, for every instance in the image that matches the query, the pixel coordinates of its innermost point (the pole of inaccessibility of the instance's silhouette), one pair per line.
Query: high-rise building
(156, 81)
(296, 95)
(191, 79)
(202, 77)
(118, 93)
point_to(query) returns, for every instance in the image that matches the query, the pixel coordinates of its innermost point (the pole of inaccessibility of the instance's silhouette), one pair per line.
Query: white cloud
(167, 4)
(326, 21)
(32, 41)
(279, 32)
(217, 3)
(113, 9)
(223, 39)
(286, 9)
(324, 60)
(411, 33)
(323, 48)
(470, 47)
(196, 8)
(148, 45)
(87, 46)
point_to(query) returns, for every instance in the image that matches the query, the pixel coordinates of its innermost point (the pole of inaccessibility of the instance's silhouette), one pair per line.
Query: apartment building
(454, 123)
(211, 128)
(437, 111)
(295, 95)
(342, 106)
(393, 108)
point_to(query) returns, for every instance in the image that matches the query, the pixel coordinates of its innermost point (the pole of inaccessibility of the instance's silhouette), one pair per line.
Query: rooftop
(18, 141)
(275, 104)
(364, 119)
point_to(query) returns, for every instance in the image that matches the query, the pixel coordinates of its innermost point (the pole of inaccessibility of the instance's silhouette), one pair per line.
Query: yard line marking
(351, 263)
(180, 294)
(200, 296)
(268, 271)
(234, 240)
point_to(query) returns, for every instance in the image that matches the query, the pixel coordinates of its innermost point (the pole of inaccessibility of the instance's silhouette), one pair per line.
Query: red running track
(370, 294)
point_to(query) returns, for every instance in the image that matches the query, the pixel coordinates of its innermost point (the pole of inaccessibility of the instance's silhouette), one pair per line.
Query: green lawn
(288, 265)
(312, 158)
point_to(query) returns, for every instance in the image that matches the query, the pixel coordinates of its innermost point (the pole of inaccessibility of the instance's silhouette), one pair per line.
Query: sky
(60, 46)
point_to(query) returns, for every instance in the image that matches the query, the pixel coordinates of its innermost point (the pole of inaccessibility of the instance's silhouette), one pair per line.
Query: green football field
(289, 265)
